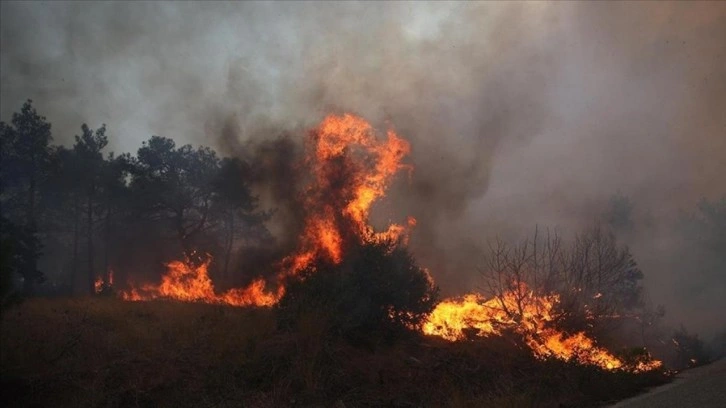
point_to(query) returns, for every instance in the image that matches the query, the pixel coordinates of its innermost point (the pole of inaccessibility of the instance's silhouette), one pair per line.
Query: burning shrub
(635, 358)
(377, 290)
(596, 278)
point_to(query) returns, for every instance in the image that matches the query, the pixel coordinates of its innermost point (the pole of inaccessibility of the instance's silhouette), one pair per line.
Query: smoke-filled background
(518, 113)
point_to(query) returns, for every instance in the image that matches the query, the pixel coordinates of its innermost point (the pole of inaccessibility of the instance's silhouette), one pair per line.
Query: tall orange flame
(350, 168)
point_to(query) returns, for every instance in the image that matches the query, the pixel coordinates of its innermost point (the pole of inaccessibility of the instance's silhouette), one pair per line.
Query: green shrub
(377, 291)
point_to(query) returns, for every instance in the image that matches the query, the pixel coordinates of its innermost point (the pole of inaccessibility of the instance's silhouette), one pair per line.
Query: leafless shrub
(597, 279)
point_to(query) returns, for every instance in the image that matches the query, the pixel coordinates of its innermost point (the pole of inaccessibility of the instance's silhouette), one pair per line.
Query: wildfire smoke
(350, 168)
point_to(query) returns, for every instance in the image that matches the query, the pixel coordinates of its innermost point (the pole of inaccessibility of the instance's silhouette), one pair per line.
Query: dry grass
(102, 352)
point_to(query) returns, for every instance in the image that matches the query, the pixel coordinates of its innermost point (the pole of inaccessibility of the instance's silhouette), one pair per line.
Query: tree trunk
(31, 264)
(230, 242)
(107, 239)
(89, 216)
(76, 237)
(181, 232)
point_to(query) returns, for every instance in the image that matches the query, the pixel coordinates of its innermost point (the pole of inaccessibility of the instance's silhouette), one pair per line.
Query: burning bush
(597, 280)
(377, 290)
(558, 298)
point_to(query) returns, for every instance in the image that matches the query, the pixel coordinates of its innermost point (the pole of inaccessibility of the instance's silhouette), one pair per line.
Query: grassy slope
(102, 352)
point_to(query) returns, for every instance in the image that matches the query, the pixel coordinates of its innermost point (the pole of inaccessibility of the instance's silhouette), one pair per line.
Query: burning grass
(104, 352)
(320, 334)
(350, 166)
(531, 316)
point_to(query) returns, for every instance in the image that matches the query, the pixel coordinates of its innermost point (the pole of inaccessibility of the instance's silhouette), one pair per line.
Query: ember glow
(102, 282)
(521, 311)
(98, 285)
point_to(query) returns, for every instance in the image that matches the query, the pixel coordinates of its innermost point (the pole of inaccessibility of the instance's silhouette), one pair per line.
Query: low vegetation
(349, 304)
(377, 293)
(103, 352)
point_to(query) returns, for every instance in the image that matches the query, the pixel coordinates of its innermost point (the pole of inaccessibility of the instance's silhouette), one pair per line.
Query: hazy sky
(518, 113)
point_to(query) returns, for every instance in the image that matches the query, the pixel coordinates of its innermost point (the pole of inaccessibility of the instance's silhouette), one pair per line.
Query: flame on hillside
(529, 315)
(350, 168)
(188, 283)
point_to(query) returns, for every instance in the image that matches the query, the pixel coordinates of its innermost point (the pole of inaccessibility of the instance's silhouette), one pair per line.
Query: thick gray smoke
(518, 113)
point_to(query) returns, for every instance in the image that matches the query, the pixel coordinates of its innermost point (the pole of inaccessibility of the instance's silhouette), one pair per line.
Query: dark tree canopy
(93, 212)
(25, 157)
(378, 290)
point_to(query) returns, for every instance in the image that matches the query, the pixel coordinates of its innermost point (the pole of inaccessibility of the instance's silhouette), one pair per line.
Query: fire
(529, 315)
(102, 283)
(98, 285)
(350, 168)
(188, 283)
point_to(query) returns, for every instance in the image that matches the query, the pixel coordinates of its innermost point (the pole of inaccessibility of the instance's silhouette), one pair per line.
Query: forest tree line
(73, 213)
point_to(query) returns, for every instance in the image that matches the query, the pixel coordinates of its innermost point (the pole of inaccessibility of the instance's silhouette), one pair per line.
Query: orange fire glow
(350, 169)
(527, 314)
(101, 283)
(187, 283)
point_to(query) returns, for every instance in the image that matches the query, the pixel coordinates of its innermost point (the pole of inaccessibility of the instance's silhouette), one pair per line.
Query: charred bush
(106, 290)
(690, 349)
(634, 357)
(377, 292)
